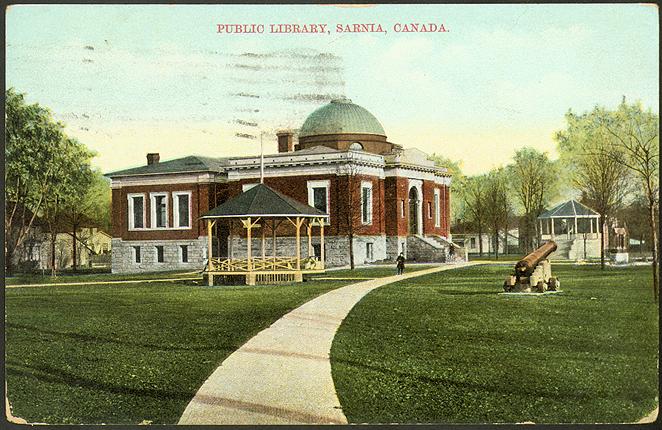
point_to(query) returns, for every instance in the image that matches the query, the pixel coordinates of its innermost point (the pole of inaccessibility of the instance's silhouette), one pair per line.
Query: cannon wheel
(540, 286)
(553, 284)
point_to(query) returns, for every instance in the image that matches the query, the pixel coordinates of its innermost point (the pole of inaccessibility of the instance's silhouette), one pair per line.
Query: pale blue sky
(160, 79)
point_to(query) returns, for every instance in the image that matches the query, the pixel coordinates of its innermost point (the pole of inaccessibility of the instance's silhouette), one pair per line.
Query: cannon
(533, 273)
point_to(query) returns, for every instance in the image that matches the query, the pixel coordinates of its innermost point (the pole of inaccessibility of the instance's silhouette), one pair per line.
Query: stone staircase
(431, 248)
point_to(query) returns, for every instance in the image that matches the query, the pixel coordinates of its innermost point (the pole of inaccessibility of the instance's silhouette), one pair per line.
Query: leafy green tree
(635, 144)
(33, 144)
(46, 173)
(584, 147)
(534, 180)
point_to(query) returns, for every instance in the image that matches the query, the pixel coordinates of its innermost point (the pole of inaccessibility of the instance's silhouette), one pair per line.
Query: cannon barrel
(527, 265)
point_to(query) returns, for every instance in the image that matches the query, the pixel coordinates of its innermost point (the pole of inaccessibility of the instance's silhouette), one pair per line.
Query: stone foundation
(123, 258)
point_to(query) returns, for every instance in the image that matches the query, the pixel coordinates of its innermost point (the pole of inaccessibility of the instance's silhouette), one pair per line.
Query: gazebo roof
(569, 209)
(262, 201)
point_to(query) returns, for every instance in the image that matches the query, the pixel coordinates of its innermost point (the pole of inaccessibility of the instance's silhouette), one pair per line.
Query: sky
(127, 80)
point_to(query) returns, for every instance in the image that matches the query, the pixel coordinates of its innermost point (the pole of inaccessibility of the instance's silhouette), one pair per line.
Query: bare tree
(600, 177)
(634, 136)
(534, 180)
(497, 206)
(474, 194)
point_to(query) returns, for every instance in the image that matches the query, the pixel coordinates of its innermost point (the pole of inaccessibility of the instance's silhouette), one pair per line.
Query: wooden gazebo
(260, 208)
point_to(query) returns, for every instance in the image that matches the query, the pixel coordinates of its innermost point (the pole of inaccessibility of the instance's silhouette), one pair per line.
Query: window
(402, 208)
(246, 187)
(159, 210)
(317, 250)
(183, 253)
(430, 210)
(368, 251)
(366, 202)
(159, 254)
(437, 212)
(136, 254)
(182, 209)
(136, 211)
(472, 242)
(318, 195)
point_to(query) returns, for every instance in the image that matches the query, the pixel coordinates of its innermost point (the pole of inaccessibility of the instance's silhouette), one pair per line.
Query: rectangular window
(368, 251)
(183, 253)
(182, 209)
(318, 195)
(159, 254)
(136, 254)
(472, 242)
(437, 211)
(136, 211)
(317, 250)
(430, 210)
(159, 210)
(402, 208)
(366, 202)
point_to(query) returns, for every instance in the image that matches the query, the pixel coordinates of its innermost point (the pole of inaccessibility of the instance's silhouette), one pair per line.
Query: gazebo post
(273, 238)
(249, 250)
(210, 276)
(551, 221)
(322, 242)
(576, 231)
(309, 227)
(298, 243)
(231, 249)
(263, 238)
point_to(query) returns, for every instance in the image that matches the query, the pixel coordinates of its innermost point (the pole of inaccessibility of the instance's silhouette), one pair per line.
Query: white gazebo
(569, 220)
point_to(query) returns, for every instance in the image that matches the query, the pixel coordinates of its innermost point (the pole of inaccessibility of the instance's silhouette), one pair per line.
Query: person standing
(400, 264)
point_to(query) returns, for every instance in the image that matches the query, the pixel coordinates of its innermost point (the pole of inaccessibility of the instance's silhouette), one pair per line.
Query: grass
(446, 348)
(23, 279)
(126, 353)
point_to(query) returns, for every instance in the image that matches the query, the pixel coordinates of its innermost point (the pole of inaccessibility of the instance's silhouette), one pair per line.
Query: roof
(262, 201)
(569, 209)
(192, 163)
(341, 116)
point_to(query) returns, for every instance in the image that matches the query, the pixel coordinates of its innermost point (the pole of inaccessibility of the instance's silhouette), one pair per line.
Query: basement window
(183, 253)
(136, 254)
(159, 254)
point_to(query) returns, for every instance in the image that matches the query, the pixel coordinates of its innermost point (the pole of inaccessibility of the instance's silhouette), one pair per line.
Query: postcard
(331, 214)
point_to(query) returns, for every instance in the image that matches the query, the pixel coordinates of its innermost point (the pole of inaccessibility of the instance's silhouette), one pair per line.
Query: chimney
(152, 158)
(285, 141)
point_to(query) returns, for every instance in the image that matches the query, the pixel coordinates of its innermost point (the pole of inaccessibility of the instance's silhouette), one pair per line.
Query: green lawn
(22, 279)
(446, 348)
(128, 353)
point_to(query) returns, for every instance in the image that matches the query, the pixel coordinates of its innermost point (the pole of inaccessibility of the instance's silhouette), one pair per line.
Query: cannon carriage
(533, 273)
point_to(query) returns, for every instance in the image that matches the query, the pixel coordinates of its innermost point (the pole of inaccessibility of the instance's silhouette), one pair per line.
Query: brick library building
(383, 198)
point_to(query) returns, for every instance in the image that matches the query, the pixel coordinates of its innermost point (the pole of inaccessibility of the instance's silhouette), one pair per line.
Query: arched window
(356, 146)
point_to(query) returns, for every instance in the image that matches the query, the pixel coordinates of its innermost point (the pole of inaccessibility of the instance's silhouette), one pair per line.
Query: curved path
(283, 374)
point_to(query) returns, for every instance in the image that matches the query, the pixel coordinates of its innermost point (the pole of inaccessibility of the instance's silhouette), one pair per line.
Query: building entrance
(413, 211)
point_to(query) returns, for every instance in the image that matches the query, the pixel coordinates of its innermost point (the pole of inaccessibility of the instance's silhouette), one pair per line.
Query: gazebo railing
(266, 264)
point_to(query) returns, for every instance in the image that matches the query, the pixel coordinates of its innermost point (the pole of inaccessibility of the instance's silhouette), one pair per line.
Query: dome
(341, 117)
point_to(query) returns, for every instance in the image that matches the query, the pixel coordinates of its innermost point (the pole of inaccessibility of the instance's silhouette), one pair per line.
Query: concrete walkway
(283, 374)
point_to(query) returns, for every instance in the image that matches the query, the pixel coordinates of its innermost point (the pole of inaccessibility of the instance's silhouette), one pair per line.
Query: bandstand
(257, 210)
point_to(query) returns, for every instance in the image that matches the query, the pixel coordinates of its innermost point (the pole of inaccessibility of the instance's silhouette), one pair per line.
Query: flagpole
(261, 159)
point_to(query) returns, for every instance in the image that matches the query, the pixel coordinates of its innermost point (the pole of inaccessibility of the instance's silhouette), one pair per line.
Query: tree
(45, 172)
(497, 206)
(602, 180)
(457, 184)
(65, 207)
(33, 145)
(474, 197)
(351, 203)
(635, 144)
(534, 179)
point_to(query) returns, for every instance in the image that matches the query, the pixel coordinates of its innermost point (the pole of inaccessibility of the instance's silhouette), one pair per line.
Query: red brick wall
(397, 190)
(444, 207)
(120, 210)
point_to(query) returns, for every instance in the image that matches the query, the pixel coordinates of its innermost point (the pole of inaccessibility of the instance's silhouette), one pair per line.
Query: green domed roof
(341, 116)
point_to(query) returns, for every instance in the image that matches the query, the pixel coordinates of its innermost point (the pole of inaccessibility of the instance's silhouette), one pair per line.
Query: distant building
(472, 242)
(401, 200)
